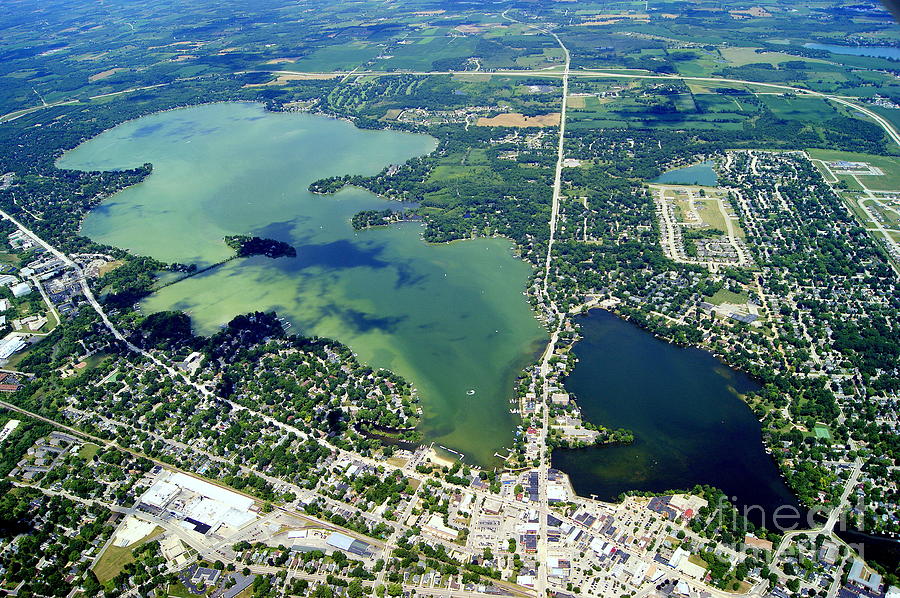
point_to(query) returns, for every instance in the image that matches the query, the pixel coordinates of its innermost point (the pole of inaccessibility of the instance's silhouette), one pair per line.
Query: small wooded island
(245, 246)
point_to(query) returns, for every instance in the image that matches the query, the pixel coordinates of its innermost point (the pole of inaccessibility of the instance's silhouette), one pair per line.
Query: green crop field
(335, 58)
(799, 108)
(742, 56)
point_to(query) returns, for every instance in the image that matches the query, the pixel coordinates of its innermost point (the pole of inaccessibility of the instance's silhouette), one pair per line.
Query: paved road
(886, 237)
(843, 504)
(85, 287)
(833, 517)
(543, 477)
(40, 287)
(560, 157)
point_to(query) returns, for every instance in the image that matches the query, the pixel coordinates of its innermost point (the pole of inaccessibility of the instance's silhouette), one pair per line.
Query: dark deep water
(690, 424)
(683, 405)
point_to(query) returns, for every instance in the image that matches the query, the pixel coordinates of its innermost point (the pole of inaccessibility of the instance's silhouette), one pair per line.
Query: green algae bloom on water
(449, 318)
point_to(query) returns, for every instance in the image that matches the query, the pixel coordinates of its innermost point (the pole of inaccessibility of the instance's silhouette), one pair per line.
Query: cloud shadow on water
(147, 130)
(362, 322)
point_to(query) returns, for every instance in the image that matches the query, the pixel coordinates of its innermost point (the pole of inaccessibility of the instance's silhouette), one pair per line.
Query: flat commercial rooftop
(199, 501)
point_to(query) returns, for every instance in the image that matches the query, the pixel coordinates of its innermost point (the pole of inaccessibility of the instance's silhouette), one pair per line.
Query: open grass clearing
(9, 258)
(890, 165)
(88, 451)
(725, 296)
(115, 558)
(711, 214)
(739, 56)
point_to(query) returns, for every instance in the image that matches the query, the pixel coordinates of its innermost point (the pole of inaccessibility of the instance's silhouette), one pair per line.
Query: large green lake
(450, 318)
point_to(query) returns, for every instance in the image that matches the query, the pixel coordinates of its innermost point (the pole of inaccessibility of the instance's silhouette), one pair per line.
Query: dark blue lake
(685, 409)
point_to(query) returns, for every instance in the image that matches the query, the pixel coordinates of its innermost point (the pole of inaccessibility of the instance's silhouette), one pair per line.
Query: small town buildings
(348, 544)
(10, 345)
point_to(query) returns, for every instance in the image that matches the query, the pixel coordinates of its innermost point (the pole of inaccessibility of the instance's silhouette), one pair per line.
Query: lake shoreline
(339, 285)
(616, 389)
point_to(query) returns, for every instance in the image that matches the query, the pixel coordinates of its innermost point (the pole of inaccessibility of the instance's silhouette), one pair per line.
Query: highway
(541, 582)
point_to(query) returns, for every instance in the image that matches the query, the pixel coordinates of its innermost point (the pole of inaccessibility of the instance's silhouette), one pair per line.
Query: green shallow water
(450, 318)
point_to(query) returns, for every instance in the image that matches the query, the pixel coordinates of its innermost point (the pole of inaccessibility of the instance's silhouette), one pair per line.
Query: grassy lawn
(711, 214)
(116, 557)
(179, 591)
(695, 558)
(890, 165)
(681, 208)
(824, 172)
(743, 588)
(726, 296)
(9, 258)
(891, 114)
(821, 431)
(94, 360)
(889, 214)
(88, 451)
(110, 266)
(857, 211)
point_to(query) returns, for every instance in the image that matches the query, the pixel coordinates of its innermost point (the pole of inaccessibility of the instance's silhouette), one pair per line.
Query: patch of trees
(163, 330)
(129, 283)
(370, 218)
(245, 246)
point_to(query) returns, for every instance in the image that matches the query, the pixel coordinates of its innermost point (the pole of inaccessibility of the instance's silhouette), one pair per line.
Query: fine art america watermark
(786, 519)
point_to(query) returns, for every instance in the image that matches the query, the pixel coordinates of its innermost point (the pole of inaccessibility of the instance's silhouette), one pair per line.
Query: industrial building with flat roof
(202, 505)
(347, 544)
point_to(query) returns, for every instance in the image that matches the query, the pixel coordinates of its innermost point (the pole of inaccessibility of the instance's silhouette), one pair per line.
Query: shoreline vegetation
(372, 218)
